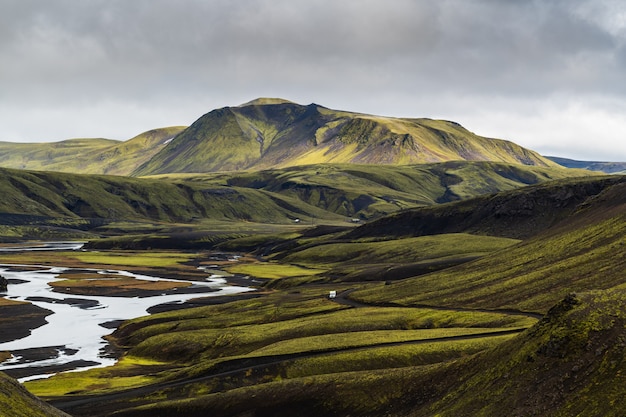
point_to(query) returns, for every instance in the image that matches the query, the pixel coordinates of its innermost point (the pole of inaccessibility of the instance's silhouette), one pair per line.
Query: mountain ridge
(607, 167)
(270, 133)
(282, 134)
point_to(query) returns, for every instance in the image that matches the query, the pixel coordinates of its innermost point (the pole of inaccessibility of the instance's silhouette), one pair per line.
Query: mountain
(87, 156)
(270, 133)
(607, 167)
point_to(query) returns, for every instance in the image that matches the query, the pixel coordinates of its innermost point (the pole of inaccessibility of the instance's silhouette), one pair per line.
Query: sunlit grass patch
(271, 270)
(407, 250)
(135, 258)
(119, 282)
(129, 372)
(192, 339)
(391, 357)
(363, 339)
(92, 259)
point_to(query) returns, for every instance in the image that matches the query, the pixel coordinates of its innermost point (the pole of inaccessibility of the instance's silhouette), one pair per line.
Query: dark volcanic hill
(272, 133)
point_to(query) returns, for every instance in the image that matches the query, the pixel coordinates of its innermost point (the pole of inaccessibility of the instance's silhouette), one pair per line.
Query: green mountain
(520, 213)
(270, 133)
(87, 156)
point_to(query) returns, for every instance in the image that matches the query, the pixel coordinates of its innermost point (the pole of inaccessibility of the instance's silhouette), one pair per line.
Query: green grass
(187, 340)
(272, 270)
(126, 258)
(126, 373)
(576, 354)
(409, 250)
(532, 276)
(360, 339)
(86, 156)
(15, 401)
(391, 357)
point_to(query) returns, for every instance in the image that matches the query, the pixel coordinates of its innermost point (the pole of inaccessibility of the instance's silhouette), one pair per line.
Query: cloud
(103, 67)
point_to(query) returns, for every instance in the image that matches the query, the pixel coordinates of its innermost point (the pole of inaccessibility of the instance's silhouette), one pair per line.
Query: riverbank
(18, 319)
(57, 318)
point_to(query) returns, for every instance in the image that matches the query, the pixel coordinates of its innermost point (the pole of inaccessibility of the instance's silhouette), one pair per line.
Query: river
(74, 332)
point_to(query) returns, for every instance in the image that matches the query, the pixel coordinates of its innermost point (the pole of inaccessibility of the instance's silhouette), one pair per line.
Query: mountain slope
(65, 204)
(15, 401)
(29, 195)
(269, 133)
(519, 213)
(87, 156)
(569, 364)
(367, 191)
(582, 251)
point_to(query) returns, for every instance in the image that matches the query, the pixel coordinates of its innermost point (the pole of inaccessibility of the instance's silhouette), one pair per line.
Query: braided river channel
(73, 337)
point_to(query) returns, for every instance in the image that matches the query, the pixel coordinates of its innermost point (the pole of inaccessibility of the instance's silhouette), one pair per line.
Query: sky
(549, 75)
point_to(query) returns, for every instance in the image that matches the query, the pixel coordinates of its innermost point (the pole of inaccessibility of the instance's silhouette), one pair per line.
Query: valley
(277, 259)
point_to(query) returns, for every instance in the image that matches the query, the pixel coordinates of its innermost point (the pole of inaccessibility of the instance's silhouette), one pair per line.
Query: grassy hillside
(474, 338)
(275, 133)
(61, 205)
(15, 401)
(87, 156)
(369, 191)
(270, 133)
(122, 199)
(518, 213)
(569, 364)
(584, 252)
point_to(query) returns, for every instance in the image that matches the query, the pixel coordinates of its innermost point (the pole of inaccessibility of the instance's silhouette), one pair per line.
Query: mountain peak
(266, 100)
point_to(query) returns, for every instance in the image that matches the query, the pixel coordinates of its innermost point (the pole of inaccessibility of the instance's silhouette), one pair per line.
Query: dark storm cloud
(125, 66)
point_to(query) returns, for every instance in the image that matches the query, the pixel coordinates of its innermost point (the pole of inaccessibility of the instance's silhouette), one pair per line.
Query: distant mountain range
(607, 167)
(270, 133)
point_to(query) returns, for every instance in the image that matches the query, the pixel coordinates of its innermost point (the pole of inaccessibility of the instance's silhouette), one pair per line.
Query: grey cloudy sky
(547, 74)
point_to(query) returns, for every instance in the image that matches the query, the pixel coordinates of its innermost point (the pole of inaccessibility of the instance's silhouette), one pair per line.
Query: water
(77, 330)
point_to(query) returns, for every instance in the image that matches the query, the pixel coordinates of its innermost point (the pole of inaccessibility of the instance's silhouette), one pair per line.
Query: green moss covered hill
(275, 133)
(16, 401)
(270, 133)
(56, 205)
(87, 156)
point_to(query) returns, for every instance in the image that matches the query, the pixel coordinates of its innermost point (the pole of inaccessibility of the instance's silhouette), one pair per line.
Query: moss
(15, 401)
